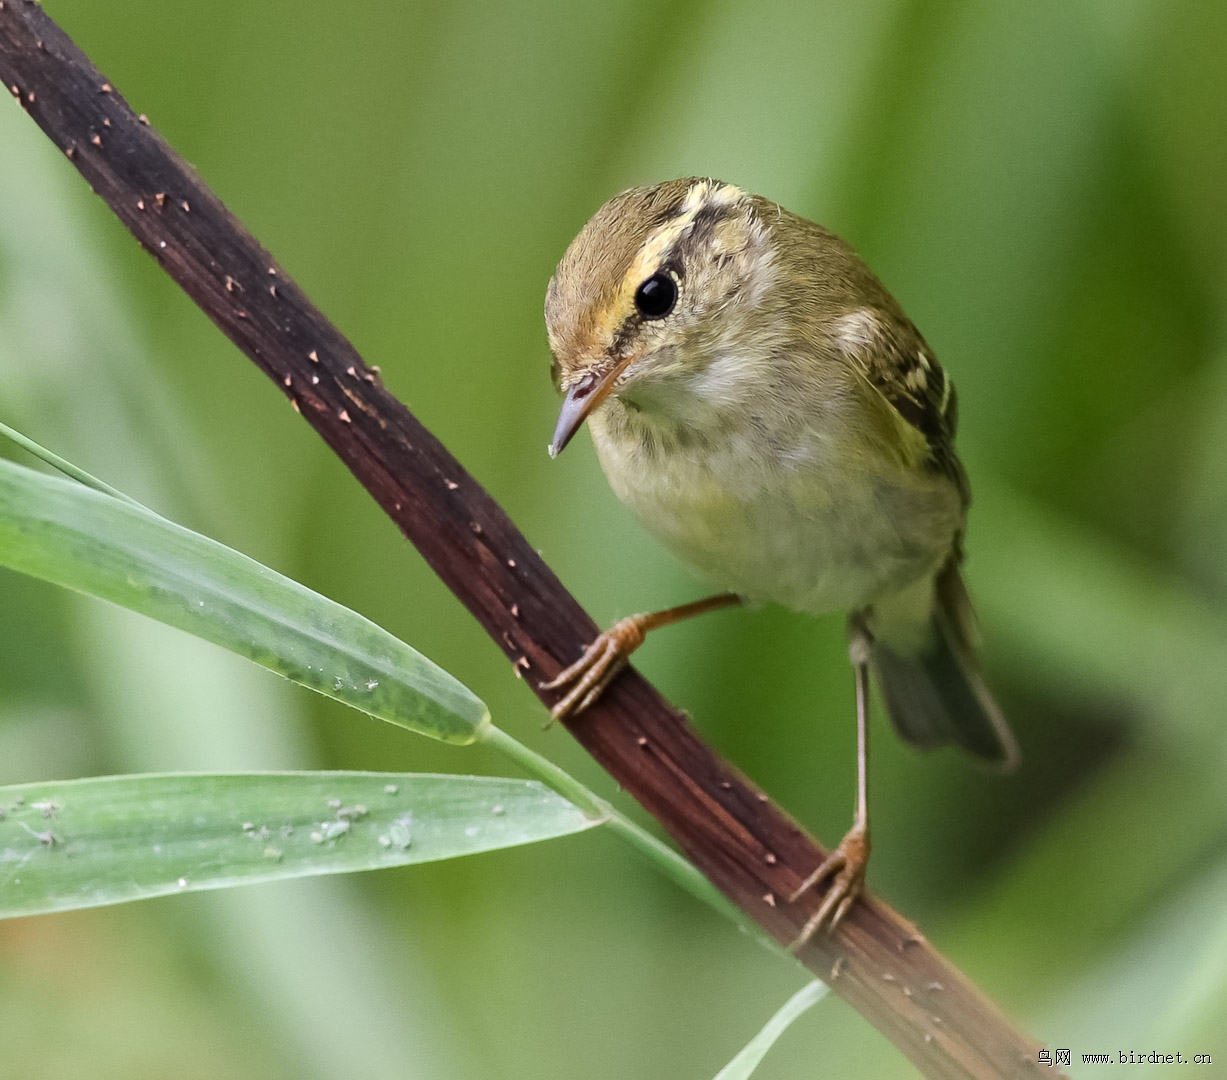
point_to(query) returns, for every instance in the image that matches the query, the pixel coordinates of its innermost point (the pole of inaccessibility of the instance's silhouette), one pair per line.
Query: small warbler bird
(763, 405)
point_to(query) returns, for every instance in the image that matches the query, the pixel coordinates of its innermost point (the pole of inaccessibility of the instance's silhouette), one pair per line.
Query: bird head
(657, 284)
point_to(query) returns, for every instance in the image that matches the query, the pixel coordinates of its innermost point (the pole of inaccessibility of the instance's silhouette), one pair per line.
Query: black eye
(656, 296)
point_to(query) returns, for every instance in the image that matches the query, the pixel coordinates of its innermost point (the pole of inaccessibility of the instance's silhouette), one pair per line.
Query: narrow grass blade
(744, 1064)
(83, 843)
(63, 465)
(88, 541)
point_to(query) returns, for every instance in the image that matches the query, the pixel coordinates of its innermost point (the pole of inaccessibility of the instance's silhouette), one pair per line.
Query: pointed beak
(575, 409)
(581, 399)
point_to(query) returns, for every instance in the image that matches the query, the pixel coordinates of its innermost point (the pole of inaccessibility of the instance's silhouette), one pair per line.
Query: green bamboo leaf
(83, 843)
(63, 532)
(756, 1049)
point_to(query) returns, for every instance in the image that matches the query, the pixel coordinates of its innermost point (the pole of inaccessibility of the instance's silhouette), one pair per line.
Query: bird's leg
(608, 654)
(846, 864)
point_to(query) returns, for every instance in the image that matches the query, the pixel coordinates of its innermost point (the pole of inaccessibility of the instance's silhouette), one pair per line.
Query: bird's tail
(927, 671)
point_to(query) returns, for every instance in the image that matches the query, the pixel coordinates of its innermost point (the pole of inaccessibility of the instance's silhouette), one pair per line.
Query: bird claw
(846, 866)
(602, 661)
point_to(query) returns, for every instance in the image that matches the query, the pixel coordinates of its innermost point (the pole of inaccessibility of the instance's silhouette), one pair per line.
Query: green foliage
(749, 1059)
(93, 538)
(124, 838)
(82, 843)
(90, 541)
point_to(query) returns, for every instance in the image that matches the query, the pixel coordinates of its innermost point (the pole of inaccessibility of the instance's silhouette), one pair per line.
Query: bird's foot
(846, 866)
(596, 669)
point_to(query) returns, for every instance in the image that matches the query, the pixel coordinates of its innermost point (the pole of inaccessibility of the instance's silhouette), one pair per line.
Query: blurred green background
(1044, 188)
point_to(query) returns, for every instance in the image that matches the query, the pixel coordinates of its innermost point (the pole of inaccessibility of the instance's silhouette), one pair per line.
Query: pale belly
(786, 527)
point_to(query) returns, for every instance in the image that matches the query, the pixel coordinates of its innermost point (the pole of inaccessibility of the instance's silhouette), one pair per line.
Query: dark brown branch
(748, 848)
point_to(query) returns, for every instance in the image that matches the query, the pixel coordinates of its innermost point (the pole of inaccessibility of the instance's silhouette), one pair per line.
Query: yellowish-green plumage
(783, 427)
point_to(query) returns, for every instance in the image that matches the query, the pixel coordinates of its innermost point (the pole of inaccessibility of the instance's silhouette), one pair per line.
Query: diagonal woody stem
(744, 844)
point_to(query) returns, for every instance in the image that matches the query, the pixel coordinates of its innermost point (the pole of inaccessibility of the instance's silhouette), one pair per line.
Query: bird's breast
(795, 509)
